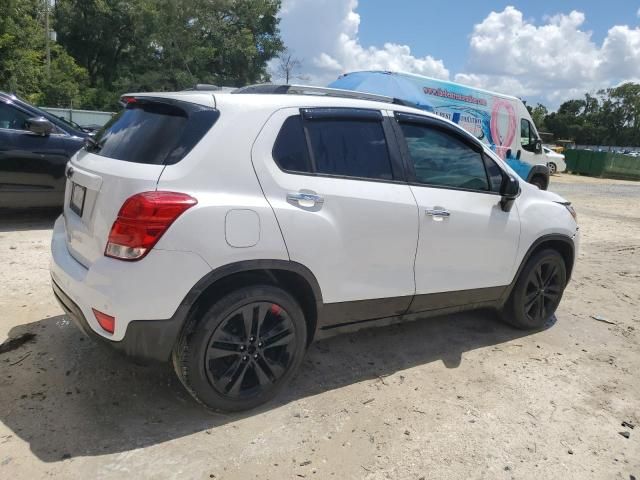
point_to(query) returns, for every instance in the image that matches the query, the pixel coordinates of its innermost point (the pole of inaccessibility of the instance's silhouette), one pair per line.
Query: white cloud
(324, 34)
(551, 62)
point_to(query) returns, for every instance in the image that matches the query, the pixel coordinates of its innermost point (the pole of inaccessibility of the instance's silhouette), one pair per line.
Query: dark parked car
(34, 149)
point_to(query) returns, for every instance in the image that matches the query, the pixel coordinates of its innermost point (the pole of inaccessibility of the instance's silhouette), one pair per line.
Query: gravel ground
(460, 396)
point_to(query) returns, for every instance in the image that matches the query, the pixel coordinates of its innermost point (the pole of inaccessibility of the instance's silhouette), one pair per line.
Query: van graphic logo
(503, 125)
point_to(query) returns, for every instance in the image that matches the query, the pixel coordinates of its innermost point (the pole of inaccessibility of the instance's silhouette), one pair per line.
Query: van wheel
(537, 292)
(243, 349)
(552, 168)
(539, 181)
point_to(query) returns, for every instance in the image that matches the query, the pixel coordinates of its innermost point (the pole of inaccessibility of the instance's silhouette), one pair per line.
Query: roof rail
(269, 88)
(206, 87)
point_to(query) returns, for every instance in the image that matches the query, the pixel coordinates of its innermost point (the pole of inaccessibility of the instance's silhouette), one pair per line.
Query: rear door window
(338, 142)
(350, 148)
(154, 131)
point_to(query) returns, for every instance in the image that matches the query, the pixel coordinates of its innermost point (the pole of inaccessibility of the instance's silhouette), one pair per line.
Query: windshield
(153, 131)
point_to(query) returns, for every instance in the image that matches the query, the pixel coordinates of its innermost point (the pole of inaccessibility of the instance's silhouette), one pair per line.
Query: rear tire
(553, 169)
(537, 292)
(242, 351)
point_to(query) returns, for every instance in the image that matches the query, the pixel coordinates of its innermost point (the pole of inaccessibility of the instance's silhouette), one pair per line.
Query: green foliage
(144, 45)
(612, 117)
(108, 47)
(538, 113)
(23, 58)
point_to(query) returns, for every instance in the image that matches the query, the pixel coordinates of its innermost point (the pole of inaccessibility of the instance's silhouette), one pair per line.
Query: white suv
(226, 231)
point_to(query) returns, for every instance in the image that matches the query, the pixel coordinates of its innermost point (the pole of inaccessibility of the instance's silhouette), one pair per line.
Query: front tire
(242, 351)
(537, 292)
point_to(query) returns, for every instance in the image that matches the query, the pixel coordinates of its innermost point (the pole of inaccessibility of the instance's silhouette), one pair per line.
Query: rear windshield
(153, 131)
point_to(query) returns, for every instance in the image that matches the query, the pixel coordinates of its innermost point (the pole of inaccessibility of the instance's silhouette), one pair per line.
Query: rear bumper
(148, 340)
(146, 298)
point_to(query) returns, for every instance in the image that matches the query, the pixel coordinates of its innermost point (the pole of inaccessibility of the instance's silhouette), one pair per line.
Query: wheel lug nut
(245, 358)
(260, 344)
(252, 339)
(242, 348)
(255, 357)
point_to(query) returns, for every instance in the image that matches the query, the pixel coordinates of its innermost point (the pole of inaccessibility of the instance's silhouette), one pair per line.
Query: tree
(288, 66)
(169, 44)
(538, 114)
(22, 57)
(610, 117)
(106, 37)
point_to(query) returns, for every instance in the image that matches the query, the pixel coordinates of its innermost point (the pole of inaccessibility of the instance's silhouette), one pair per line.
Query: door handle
(305, 199)
(438, 212)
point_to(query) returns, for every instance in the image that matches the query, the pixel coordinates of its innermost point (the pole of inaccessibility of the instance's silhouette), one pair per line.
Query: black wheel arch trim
(253, 265)
(190, 300)
(553, 237)
(539, 170)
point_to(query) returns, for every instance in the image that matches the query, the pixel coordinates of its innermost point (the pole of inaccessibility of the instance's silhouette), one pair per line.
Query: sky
(542, 51)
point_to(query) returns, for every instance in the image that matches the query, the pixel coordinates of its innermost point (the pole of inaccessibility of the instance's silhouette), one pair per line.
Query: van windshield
(153, 131)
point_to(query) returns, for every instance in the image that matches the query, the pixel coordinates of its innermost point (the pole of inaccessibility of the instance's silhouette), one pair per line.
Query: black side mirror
(538, 146)
(510, 189)
(39, 126)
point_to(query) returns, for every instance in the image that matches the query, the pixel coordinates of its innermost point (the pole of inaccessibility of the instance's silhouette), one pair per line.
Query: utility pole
(46, 36)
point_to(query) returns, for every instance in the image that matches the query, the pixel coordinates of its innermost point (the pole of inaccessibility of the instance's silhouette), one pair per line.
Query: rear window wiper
(90, 144)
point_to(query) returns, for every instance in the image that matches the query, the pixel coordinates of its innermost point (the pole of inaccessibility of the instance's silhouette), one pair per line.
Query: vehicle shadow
(32, 219)
(67, 396)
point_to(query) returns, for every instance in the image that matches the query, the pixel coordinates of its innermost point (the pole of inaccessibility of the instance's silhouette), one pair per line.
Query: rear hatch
(127, 157)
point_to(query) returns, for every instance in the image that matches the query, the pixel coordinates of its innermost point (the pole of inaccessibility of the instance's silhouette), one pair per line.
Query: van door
(344, 210)
(467, 245)
(530, 143)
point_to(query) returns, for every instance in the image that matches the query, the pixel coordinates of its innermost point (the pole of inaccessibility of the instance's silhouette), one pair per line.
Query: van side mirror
(39, 125)
(538, 146)
(509, 190)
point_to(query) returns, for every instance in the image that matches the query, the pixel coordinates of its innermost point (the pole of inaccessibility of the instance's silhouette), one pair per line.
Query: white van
(500, 121)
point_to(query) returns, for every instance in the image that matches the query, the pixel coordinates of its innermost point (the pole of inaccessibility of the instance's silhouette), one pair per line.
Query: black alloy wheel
(239, 352)
(250, 350)
(543, 291)
(537, 292)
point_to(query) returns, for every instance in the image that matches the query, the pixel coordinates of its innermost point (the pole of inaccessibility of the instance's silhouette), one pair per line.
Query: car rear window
(154, 131)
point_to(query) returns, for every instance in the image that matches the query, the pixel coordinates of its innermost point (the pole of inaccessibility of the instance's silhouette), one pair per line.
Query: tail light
(141, 222)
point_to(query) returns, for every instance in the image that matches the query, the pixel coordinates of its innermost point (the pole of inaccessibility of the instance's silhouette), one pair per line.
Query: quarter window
(440, 158)
(290, 150)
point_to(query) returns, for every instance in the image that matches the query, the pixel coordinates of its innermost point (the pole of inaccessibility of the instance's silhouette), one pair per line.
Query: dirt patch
(461, 396)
